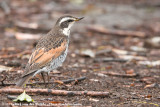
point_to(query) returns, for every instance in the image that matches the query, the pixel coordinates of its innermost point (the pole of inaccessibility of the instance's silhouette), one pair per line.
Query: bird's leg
(43, 79)
(48, 77)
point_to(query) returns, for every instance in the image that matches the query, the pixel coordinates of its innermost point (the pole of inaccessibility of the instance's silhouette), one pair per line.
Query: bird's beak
(77, 19)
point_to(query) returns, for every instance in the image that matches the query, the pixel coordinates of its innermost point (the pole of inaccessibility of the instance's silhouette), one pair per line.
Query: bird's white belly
(57, 62)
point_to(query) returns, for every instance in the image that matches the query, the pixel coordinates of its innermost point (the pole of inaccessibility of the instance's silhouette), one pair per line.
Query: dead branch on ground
(104, 30)
(103, 51)
(110, 60)
(120, 75)
(16, 55)
(54, 92)
(71, 80)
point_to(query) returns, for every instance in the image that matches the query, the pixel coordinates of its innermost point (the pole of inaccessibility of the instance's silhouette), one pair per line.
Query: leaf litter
(123, 49)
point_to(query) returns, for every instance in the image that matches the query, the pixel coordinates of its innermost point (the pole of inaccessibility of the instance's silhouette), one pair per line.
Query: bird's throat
(66, 31)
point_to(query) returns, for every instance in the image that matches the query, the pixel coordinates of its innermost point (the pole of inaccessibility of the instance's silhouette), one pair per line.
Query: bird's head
(65, 23)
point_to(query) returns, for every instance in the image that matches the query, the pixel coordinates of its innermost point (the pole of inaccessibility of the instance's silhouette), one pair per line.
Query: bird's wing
(42, 56)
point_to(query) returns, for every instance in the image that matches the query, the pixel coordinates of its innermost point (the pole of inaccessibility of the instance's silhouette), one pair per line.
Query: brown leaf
(148, 80)
(131, 71)
(132, 85)
(150, 85)
(148, 96)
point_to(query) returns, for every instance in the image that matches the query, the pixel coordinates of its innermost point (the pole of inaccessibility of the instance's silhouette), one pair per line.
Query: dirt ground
(33, 17)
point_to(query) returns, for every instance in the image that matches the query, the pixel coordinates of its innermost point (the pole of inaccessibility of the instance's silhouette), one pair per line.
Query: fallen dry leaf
(93, 99)
(87, 52)
(132, 85)
(148, 80)
(23, 98)
(138, 49)
(122, 52)
(131, 71)
(153, 42)
(26, 36)
(5, 68)
(150, 63)
(95, 80)
(148, 96)
(131, 57)
(26, 25)
(150, 85)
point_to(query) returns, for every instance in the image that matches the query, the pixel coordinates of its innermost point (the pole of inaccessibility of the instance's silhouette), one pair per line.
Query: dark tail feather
(23, 80)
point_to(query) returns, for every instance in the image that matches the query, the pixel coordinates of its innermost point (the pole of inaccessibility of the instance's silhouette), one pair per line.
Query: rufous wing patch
(43, 57)
(35, 55)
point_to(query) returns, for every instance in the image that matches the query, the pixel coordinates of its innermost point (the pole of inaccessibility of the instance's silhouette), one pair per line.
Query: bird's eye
(70, 20)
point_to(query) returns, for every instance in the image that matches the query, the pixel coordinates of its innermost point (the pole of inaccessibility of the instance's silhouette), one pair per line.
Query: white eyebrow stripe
(64, 19)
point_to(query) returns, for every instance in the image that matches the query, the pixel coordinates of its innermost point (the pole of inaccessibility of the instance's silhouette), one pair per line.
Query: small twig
(103, 51)
(11, 97)
(16, 55)
(62, 81)
(59, 76)
(104, 30)
(123, 52)
(2, 80)
(120, 51)
(71, 80)
(55, 92)
(120, 75)
(109, 60)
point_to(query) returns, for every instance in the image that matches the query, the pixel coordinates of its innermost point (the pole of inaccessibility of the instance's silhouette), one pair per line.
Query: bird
(50, 51)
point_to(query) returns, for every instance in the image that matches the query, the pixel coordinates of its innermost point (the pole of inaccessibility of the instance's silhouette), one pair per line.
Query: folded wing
(42, 56)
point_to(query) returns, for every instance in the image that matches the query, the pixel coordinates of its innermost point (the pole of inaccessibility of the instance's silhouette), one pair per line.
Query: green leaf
(23, 98)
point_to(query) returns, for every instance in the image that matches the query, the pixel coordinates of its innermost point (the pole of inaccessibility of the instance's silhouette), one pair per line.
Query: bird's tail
(23, 80)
